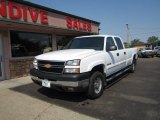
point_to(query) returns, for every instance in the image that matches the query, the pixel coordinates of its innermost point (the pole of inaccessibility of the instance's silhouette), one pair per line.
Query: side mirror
(113, 48)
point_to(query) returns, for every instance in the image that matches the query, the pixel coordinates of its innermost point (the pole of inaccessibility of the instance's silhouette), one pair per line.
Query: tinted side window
(109, 43)
(119, 43)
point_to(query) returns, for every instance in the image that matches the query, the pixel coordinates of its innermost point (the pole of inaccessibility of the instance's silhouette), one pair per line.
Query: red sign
(16, 11)
(78, 24)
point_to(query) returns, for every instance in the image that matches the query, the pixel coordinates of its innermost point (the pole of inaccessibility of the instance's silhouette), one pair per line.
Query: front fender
(88, 63)
(96, 63)
(88, 66)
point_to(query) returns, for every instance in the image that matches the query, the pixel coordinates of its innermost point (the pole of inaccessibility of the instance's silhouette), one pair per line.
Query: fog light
(72, 70)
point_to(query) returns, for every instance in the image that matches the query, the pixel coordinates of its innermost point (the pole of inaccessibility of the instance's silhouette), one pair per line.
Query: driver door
(111, 57)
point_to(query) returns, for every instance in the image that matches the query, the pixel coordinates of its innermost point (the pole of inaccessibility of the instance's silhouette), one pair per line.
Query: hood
(69, 54)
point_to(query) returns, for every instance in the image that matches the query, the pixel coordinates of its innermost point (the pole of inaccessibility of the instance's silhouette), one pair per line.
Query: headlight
(73, 63)
(35, 64)
(72, 70)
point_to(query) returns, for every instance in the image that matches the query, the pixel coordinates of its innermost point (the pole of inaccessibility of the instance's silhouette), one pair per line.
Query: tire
(142, 56)
(132, 67)
(96, 85)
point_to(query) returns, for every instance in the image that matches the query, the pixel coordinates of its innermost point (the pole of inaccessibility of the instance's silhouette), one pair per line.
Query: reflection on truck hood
(69, 54)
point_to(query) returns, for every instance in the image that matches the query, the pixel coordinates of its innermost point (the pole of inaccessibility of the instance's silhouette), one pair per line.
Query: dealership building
(28, 29)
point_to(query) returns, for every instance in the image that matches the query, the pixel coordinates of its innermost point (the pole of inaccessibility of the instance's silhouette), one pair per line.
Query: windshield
(95, 43)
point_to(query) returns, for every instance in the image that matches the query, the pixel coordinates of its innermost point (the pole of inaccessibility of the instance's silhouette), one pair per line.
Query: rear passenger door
(121, 53)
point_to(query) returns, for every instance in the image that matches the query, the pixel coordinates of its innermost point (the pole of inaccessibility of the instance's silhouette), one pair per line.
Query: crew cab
(86, 64)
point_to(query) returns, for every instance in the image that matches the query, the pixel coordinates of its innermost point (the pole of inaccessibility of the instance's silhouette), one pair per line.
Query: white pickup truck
(87, 64)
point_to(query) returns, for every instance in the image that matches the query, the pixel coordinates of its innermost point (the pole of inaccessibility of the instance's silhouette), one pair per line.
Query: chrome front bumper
(83, 83)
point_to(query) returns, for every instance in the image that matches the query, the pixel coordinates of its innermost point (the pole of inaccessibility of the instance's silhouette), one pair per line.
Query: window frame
(113, 42)
(120, 42)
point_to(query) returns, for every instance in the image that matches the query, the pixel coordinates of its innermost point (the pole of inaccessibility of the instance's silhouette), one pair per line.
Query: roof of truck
(98, 36)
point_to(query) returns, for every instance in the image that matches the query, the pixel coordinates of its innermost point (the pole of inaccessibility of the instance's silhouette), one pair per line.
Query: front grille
(51, 66)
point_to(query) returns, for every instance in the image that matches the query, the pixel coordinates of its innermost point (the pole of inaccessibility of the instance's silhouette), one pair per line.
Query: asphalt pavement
(131, 96)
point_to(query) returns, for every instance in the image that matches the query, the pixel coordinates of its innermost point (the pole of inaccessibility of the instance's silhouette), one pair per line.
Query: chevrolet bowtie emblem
(47, 66)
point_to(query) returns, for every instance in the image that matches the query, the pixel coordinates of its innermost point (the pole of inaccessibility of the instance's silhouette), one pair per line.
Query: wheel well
(99, 68)
(134, 59)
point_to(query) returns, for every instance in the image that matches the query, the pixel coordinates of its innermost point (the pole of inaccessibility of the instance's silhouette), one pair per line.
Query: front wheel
(96, 85)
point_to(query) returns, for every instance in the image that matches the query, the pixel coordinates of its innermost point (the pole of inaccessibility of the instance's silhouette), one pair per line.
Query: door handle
(125, 53)
(117, 54)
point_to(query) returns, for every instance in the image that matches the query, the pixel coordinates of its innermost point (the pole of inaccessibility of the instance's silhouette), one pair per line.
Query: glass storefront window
(62, 41)
(25, 44)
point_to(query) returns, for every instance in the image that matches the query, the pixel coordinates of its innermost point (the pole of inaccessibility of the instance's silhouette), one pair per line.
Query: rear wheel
(132, 68)
(152, 56)
(96, 85)
(142, 56)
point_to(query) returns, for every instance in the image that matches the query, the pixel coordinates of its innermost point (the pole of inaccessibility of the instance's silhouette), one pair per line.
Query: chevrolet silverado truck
(86, 64)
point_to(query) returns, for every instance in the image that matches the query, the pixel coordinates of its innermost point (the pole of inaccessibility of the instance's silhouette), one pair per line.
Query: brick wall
(20, 68)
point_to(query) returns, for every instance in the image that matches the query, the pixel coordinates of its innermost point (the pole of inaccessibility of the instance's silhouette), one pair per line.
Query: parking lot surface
(132, 96)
